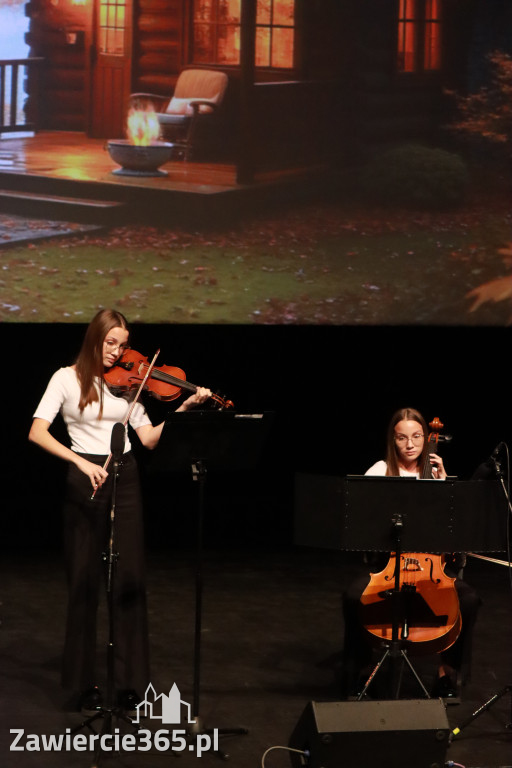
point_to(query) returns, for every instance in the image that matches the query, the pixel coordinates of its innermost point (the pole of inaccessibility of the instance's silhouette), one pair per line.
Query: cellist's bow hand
(438, 470)
(200, 396)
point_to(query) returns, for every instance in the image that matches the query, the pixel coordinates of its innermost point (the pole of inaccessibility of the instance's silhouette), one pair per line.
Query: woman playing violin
(407, 455)
(90, 410)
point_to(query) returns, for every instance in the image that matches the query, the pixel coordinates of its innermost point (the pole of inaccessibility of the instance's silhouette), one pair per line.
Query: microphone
(489, 467)
(494, 455)
(117, 441)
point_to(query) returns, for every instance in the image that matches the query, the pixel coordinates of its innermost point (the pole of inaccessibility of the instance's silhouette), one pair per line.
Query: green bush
(413, 174)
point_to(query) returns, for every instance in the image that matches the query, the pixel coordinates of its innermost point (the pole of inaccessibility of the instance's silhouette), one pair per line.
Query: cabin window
(216, 33)
(112, 26)
(419, 36)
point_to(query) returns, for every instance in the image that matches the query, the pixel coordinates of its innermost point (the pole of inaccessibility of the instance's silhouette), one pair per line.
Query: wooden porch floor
(74, 156)
(66, 167)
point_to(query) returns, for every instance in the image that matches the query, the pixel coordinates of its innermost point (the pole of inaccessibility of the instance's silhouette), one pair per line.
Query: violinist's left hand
(201, 395)
(150, 435)
(438, 470)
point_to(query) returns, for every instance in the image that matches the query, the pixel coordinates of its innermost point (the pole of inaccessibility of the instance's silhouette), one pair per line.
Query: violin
(430, 612)
(133, 371)
(164, 382)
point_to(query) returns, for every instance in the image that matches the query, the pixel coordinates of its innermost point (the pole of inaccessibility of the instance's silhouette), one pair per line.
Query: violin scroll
(222, 403)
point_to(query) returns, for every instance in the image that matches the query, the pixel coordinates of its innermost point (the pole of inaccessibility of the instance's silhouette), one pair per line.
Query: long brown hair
(89, 363)
(403, 414)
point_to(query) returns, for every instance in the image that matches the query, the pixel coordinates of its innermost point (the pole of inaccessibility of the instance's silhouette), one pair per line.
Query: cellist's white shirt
(88, 434)
(381, 467)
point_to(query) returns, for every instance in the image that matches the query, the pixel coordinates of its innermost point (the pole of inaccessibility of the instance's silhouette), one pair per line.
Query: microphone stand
(110, 711)
(488, 704)
(499, 474)
(493, 459)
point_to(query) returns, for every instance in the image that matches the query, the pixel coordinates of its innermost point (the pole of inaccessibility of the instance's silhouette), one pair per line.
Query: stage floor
(272, 630)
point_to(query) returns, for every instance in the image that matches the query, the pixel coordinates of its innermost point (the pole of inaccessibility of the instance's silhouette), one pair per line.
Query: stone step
(60, 206)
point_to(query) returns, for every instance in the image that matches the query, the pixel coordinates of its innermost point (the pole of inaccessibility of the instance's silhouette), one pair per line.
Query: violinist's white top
(87, 432)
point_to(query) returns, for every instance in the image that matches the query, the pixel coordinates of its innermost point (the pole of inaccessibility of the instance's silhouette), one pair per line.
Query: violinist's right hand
(40, 434)
(96, 474)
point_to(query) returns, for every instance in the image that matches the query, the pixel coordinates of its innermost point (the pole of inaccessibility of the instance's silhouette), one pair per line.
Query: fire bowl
(137, 160)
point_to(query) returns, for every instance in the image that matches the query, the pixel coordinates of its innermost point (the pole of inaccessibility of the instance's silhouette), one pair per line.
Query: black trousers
(357, 650)
(86, 538)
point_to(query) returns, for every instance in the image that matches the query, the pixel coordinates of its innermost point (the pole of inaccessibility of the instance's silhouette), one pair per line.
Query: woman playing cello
(406, 455)
(90, 410)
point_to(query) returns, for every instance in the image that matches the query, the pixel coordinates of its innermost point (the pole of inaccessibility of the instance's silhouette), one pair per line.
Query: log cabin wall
(57, 33)
(307, 118)
(353, 100)
(394, 106)
(345, 97)
(350, 98)
(158, 52)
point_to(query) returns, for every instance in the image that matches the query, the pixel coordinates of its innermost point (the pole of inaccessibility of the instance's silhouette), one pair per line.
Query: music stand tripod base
(393, 652)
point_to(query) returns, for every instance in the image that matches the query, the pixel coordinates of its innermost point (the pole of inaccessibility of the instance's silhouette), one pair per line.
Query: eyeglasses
(111, 345)
(415, 439)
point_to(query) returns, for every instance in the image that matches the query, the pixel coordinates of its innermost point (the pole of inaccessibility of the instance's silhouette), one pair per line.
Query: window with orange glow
(432, 48)
(112, 24)
(216, 33)
(419, 35)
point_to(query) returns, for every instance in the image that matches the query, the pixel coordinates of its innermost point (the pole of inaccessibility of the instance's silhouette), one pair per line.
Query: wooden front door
(110, 67)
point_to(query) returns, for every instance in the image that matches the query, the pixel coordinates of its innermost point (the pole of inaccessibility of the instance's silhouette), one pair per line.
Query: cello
(429, 613)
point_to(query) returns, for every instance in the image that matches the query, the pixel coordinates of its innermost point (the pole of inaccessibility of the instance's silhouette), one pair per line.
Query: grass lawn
(318, 264)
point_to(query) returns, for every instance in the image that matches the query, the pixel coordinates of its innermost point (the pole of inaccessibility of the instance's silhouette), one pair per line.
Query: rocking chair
(197, 97)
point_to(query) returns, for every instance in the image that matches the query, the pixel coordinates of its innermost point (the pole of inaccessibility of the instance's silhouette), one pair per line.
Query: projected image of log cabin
(308, 81)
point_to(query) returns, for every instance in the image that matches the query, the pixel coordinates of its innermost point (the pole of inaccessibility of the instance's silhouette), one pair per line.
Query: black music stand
(472, 515)
(385, 514)
(202, 441)
(396, 514)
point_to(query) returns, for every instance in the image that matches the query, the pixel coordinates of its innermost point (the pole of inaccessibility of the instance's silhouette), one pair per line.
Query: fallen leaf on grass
(495, 290)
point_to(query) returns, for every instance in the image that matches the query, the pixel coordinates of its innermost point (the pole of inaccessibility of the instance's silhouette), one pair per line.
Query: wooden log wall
(325, 50)
(62, 76)
(346, 79)
(297, 124)
(390, 106)
(158, 45)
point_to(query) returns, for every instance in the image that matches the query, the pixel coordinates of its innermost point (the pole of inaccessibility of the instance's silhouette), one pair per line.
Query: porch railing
(13, 115)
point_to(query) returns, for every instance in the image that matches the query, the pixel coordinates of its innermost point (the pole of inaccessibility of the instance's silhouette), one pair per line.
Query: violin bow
(130, 411)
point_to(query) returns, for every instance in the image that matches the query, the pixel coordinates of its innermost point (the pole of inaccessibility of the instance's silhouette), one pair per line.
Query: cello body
(429, 606)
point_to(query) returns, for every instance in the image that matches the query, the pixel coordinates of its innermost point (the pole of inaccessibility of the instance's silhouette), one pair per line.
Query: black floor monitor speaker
(371, 734)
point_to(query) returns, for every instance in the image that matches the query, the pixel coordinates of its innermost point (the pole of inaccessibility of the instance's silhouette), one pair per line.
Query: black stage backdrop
(332, 390)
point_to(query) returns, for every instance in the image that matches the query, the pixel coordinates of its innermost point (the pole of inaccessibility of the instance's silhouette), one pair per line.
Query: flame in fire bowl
(142, 153)
(138, 160)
